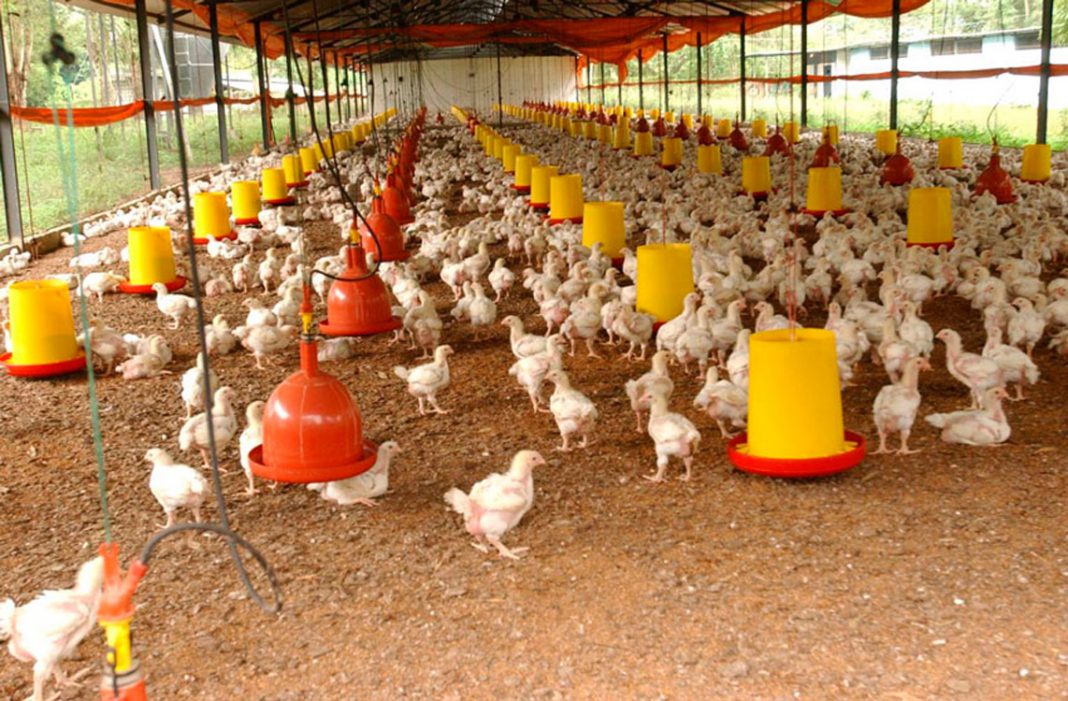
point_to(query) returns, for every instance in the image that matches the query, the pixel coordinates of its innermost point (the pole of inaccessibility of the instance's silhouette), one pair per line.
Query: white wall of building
(472, 82)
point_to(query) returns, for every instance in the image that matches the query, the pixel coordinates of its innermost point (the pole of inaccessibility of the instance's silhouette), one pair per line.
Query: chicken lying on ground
(174, 485)
(985, 426)
(48, 629)
(365, 487)
(896, 406)
(105, 343)
(425, 381)
(496, 504)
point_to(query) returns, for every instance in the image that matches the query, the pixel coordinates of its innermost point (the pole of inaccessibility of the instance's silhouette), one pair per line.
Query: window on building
(942, 47)
(1027, 40)
(969, 45)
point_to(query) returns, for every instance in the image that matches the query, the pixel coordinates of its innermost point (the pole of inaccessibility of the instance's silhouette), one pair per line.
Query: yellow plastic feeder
(795, 427)
(670, 152)
(307, 161)
(589, 129)
(886, 141)
(951, 153)
(824, 193)
(151, 261)
(791, 131)
(621, 136)
(42, 330)
(759, 127)
(706, 120)
(211, 216)
(1036, 166)
(275, 191)
(574, 127)
(602, 222)
(687, 119)
(831, 130)
(294, 171)
(709, 159)
(540, 179)
(487, 145)
(723, 129)
(605, 134)
(756, 175)
(245, 200)
(565, 199)
(654, 114)
(508, 156)
(339, 142)
(669, 116)
(498, 147)
(665, 277)
(643, 143)
(524, 165)
(930, 218)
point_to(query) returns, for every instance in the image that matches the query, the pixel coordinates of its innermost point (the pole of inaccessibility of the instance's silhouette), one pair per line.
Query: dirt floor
(937, 575)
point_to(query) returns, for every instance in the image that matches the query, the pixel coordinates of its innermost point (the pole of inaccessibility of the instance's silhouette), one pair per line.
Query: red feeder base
(283, 202)
(172, 286)
(251, 221)
(522, 189)
(670, 169)
(573, 220)
(298, 186)
(820, 212)
(63, 367)
(358, 307)
(225, 237)
(947, 244)
(539, 206)
(797, 469)
(302, 475)
(1034, 182)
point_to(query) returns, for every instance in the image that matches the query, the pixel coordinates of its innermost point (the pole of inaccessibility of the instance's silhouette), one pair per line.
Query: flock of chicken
(872, 286)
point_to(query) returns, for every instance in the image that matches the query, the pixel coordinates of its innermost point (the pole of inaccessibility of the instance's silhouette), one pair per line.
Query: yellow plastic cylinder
(565, 197)
(687, 120)
(319, 153)
(523, 166)
(669, 116)
(665, 277)
(831, 130)
(791, 131)
(654, 114)
(151, 255)
(210, 215)
(487, 146)
(643, 143)
(498, 147)
(117, 637)
(589, 129)
(824, 192)
(1036, 165)
(886, 141)
(709, 159)
(508, 156)
(756, 175)
(274, 185)
(628, 112)
(621, 135)
(540, 179)
(951, 152)
(574, 127)
(706, 120)
(245, 200)
(671, 151)
(759, 127)
(42, 327)
(605, 133)
(795, 401)
(930, 216)
(339, 143)
(723, 128)
(294, 173)
(307, 161)
(602, 222)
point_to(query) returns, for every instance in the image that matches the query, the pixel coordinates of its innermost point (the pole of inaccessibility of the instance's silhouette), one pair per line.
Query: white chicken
(1016, 366)
(175, 486)
(673, 436)
(985, 426)
(723, 401)
(530, 371)
(220, 339)
(523, 344)
(100, 284)
(896, 405)
(193, 386)
(176, 306)
(264, 341)
(251, 438)
(636, 328)
(364, 488)
(497, 504)
(427, 380)
(258, 314)
(573, 411)
(657, 379)
(979, 374)
(501, 279)
(194, 432)
(105, 343)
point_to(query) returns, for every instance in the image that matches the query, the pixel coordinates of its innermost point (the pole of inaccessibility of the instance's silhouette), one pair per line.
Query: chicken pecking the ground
(496, 504)
(363, 488)
(48, 629)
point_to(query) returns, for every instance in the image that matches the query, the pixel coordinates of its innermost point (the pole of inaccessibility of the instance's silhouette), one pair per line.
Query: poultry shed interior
(482, 378)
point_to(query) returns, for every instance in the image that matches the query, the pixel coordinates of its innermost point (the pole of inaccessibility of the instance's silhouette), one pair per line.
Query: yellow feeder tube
(117, 635)
(605, 134)
(886, 141)
(824, 193)
(565, 198)
(308, 161)
(42, 326)
(687, 120)
(723, 129)
(670, 152)
(540, 179)
(498, 147)
(930, 217)
(707, 121)
(791, 131)
(951, 152)
(1036, 166)
(665, 277)
(508, 156)
(245, 200)
(831, 130)
(524, 165)
(643, 143)
(756, 175)
(210, 216)
(589, 129)
(602, 222)
(795, 402)
(621, 135)
(294, 173)
(151, 255)
(759, 128)
(274, 186)
(709, 159)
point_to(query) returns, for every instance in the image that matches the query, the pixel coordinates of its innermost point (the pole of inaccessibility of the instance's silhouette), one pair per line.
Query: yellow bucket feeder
(795, 427)
(275, 191)
(824, 193)
(339, 142)
(886, 141)
(621, 135)
(951, 153)
(602, 222)
(687, 119)
(723, 129)
(654, 114)
(245, 200)
(759, 127)
(709, 159)
(42, 330)
(605, 133)
(665, 277)
(669, 117)
(756, 175)
(508, 156)
(831, 130)
(524, 165)
(574, 127)
(294, 171)
(211, 216)
(791, 131)
(643, 143)
(498, 147)
(1036, 166)
(487, 145)
(540, 180)
(151, 261)
(670, 152)
(930, 218)
(706, 120)
(565, 199)
(589, 129)
(308, 161)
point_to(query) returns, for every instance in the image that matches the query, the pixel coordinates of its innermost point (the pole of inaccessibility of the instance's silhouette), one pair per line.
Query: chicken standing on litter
(425, 381)
(174, 485)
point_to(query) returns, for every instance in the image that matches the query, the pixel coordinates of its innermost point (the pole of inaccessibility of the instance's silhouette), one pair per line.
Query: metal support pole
(641, 86)
(589, 81)
(291, 101)
(337, 87)
(144, 50)
(699, 113)
(667, 104)
(578, 94)
(326, 89)
(1043, 81)
(619, 88)
(741, 67)
(500, 93)
(804, 63)
(12, 208)
(602, 84)
(895, 45)
(220, 89)
(363, 91)
(264, 121)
